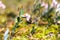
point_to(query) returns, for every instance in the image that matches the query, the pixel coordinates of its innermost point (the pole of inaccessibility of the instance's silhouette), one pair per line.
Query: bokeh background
(23, 32)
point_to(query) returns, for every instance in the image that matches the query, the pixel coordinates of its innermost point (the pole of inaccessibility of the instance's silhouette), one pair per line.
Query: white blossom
(58, 22)
(2, 5)
(58, 8)
(27, 16)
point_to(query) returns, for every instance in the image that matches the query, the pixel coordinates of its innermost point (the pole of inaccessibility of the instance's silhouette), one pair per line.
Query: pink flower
(2, 5)
(27, 16)
(54, 3)
(44, 4)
